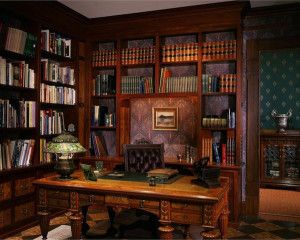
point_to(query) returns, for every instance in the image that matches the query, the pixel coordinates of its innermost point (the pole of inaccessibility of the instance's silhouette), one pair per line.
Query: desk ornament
(281, 120)
(64, 146)
(88, 173)
(206, 177)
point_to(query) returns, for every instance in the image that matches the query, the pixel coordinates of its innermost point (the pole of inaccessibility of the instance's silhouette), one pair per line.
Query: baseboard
(279, 217)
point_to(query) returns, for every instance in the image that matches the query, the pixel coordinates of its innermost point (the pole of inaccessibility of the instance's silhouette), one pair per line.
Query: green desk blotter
(138, 177)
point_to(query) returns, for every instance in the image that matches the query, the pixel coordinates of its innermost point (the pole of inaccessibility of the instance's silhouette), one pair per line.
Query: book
(162, 172)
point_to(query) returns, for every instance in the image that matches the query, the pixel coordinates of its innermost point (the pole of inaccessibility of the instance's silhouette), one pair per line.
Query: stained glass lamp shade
(64, 146)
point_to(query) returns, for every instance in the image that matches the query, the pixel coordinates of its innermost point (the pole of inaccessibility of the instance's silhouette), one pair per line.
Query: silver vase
(281, 120)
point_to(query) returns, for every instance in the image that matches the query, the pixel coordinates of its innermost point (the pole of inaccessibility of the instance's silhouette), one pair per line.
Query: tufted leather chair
(143, 157)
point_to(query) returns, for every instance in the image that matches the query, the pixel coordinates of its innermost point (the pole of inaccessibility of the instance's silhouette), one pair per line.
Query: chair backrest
(143, 157)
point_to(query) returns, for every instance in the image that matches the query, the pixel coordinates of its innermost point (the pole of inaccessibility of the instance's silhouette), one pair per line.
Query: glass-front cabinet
(280, 159)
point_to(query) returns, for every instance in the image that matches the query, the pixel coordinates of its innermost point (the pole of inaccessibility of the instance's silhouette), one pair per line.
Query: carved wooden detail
(42, 197)
(74, 201)
(165, 213)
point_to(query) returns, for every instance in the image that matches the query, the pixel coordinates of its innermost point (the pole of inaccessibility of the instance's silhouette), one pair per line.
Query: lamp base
(65, 167)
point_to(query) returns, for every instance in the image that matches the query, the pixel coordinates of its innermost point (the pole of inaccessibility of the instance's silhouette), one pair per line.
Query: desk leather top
(181, 189)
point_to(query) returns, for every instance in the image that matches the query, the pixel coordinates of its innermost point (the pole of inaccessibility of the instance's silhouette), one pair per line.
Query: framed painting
(165, 118)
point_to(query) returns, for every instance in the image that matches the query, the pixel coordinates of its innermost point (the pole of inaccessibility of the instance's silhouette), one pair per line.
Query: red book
(224, 153)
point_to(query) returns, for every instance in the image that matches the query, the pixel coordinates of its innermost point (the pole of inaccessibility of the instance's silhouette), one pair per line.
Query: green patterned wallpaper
(279, 86)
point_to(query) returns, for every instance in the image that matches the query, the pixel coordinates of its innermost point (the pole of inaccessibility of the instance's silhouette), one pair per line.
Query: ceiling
(104, 8)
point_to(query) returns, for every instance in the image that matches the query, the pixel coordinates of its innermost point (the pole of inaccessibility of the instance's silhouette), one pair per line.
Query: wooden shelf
(158, 95)
(15, 56)
(104, 67)
(17, 129)
(219, 60)
(58, 84)
(16, 88)
(179, 63)
(105, 96)
(218, 129)
(103, 128)
(55, 57)
(219, 94)
(136, 65)
(56, 105)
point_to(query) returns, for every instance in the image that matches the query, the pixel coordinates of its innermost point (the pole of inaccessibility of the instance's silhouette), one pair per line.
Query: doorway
(259, 196)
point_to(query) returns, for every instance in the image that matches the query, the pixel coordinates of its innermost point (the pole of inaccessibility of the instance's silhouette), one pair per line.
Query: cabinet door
(24, 186)
(24, 211)
(291, 161)
(5, 191)
(271, 161)
(5, 218)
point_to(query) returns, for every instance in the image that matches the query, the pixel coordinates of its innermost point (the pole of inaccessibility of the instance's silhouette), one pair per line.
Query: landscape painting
(165, 119)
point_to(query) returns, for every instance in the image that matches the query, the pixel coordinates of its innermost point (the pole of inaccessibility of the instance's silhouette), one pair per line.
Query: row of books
(219, 50)
(179, 84)
(51, 122)
(57, 95)
(45, 157)
(211, 122)
(225, 83)
(21, 42)
(16, 74)
(98, 144)
(101, 117)
(17, 114)
(52, 42)
(220, 122)
(53, 72)
(136, 85)
(101, 58)
(105, 84)
(219, 153)
(180, 52)
(16, 153)
(138, 55)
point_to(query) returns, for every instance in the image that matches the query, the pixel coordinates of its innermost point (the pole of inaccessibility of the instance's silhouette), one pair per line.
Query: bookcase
(39, 85)
(195, 63)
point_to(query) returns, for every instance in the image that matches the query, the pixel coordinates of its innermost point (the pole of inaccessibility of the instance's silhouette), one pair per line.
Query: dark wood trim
(253, 47)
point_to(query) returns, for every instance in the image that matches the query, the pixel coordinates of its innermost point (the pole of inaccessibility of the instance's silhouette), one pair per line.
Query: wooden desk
(178, 202)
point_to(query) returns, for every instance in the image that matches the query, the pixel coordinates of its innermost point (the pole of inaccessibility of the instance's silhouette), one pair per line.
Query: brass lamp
(64, 147)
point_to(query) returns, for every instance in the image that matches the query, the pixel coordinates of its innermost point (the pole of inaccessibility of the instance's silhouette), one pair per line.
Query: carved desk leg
(44, 222)
(76, 225)
(76, 216)
(43, 213)
(223, 223)
(165, 230)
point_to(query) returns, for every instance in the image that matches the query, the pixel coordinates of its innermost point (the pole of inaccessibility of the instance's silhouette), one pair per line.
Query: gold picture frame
(165, 118)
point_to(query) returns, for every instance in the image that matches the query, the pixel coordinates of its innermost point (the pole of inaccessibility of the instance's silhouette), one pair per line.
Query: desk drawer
(5, 217)
(24, 186)
(58, 194)
(186, 218)
(59, 203)
(186, 206)
(143, 203)
(87, 199)
(24, 211)
(113, 199)
(5, 191)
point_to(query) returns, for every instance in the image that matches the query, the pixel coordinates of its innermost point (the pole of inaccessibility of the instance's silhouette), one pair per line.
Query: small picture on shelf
(165, 119)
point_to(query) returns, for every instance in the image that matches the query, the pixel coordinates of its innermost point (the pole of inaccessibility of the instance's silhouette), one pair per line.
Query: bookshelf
(194, 61)
(39, 90)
